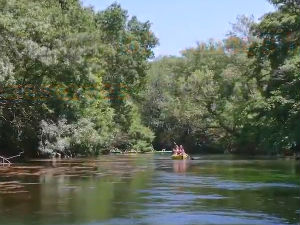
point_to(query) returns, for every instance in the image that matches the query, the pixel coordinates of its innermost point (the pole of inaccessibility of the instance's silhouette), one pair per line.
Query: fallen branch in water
(6, 161)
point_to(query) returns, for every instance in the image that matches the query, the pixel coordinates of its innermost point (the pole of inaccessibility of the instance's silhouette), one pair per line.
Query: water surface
(151, 189)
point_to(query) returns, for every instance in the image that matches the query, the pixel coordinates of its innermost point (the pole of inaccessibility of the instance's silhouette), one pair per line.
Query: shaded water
(151, 189)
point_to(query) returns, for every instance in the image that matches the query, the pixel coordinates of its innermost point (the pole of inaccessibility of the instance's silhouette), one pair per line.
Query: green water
(151, 189)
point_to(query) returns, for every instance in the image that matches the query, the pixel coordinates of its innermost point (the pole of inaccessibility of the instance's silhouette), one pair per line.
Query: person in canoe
(181, 150)
(175, 150)
(179, 153)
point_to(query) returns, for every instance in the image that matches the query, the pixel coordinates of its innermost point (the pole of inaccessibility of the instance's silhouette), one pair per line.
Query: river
(151, 189)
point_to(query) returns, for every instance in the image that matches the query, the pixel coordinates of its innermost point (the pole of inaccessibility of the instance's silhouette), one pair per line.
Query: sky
(180, 24)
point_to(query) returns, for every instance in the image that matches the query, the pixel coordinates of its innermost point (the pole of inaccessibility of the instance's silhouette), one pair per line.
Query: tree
(63, 66)
(278, 50)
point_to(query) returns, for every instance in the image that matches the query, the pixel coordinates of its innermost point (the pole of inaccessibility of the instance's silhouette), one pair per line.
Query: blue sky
(180, 24)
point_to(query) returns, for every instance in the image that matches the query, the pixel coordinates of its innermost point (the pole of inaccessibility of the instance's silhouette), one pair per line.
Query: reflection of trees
(276, 202)
(84, 190)
(273, 200)
(76, 190)
(101, 189)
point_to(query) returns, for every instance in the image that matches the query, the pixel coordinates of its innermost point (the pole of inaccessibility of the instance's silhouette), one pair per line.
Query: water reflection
(180, 166)
(150, 189)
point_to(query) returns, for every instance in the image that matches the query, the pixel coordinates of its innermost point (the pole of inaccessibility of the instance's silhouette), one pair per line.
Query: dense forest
(74, 81)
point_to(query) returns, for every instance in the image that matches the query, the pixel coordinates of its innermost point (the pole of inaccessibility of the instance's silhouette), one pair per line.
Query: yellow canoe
(179, 157)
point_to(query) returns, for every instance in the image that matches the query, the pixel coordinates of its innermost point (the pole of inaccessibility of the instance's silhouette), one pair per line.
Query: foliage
(74, 81)
(64, 73)
(241, 95)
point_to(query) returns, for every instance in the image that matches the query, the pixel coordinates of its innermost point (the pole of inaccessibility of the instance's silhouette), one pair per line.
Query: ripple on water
(179, 180)
(173, 195)
(154, 217)
(124, 191)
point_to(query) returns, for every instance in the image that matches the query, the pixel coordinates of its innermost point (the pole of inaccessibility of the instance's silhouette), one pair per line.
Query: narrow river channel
(151, 189)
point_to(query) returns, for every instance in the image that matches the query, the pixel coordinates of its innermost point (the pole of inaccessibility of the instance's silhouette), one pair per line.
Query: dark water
(151, 189)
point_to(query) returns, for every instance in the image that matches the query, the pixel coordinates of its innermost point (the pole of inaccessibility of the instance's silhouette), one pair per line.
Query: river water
(151, 189)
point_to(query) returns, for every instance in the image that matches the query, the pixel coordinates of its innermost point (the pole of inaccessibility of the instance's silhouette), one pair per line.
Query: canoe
(180, 157)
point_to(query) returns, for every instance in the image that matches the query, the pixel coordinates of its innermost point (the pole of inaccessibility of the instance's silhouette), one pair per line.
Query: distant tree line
(240, 95)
